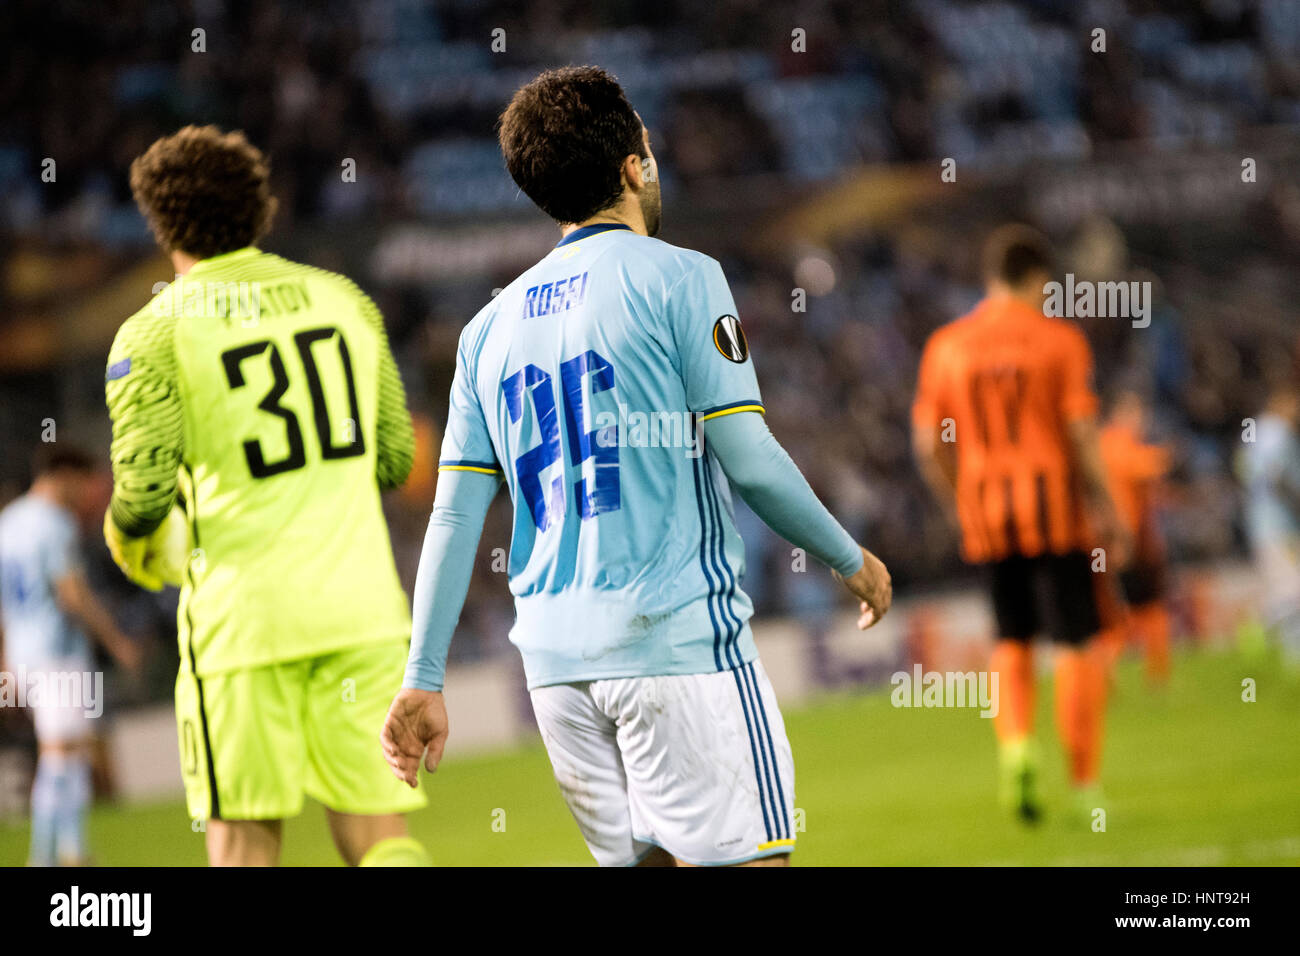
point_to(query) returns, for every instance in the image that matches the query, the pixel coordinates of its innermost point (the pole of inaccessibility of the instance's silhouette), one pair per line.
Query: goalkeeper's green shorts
(254, 742)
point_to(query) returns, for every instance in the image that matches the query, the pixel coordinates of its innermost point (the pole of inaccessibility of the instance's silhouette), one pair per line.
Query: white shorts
(58, 721)
(696, 764)
(1278, 563)
(60, 725)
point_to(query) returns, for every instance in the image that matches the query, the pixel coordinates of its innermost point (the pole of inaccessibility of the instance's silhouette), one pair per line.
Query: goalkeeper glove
(155, 559)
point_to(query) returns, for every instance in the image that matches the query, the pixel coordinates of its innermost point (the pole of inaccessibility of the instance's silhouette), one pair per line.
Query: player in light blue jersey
(45, 658)
(611, 390)
(1271, 475)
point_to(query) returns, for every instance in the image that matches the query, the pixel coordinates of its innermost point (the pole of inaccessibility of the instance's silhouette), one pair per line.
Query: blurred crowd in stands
(782, 99)
(411, 89)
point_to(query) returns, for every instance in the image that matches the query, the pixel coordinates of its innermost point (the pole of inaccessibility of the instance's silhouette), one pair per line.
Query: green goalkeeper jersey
(263, 393)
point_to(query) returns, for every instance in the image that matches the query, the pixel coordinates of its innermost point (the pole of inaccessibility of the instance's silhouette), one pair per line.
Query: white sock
(70, 838)
(47, 789)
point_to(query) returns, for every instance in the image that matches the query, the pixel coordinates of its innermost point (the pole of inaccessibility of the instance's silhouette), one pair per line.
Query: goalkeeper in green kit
(257, 414)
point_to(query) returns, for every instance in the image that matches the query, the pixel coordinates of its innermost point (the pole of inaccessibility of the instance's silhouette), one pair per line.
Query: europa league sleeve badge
(729, 338)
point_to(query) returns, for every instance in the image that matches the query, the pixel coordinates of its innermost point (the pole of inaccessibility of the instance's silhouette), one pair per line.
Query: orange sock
(1013, 662)
(1152, 622)
(1080, 704)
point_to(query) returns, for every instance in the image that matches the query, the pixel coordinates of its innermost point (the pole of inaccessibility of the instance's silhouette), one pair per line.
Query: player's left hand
(872, 586)
(416, 727)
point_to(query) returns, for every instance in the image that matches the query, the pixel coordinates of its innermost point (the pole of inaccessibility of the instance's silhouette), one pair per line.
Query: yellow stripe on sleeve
(481, 471)
(731, 411)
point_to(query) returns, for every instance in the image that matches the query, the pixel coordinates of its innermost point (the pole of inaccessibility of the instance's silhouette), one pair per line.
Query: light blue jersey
(38, 546)
(582, 383)
(1272, 459)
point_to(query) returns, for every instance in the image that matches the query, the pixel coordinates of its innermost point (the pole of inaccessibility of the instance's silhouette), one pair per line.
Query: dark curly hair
(203, 191)
(565, 136)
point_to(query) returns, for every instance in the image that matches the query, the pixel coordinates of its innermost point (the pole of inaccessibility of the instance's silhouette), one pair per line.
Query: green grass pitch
(1193, 776)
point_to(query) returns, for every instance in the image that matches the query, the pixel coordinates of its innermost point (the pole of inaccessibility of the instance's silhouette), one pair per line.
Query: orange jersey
(1133, 469)
(1002, 384)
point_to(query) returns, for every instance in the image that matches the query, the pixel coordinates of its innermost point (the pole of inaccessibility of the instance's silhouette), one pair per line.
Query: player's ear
(635, 172)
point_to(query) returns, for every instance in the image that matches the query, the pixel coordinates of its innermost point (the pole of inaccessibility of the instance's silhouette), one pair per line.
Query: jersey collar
(225, 257)
(591, 230)
(1008, 306)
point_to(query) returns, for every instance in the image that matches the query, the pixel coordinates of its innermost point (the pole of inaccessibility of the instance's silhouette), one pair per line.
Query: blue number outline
(546, 508)
(603, 493)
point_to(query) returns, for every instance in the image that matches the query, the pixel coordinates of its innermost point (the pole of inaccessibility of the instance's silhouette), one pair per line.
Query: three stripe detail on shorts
(722, 588)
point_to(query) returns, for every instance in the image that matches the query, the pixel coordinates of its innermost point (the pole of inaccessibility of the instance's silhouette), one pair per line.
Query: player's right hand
(130, 555)
(871, 585)
(416, 727)
(1113, 537)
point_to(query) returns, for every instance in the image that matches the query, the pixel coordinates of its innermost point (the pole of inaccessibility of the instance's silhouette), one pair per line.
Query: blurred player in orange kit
(1134, 469)
(1005, 434)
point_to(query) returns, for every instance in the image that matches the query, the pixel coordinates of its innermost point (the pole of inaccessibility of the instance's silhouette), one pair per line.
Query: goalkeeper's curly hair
(204, 192)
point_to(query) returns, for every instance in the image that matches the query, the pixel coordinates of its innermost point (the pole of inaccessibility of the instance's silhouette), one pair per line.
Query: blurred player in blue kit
(611, 389)
(1270, 468)
(48, 609)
